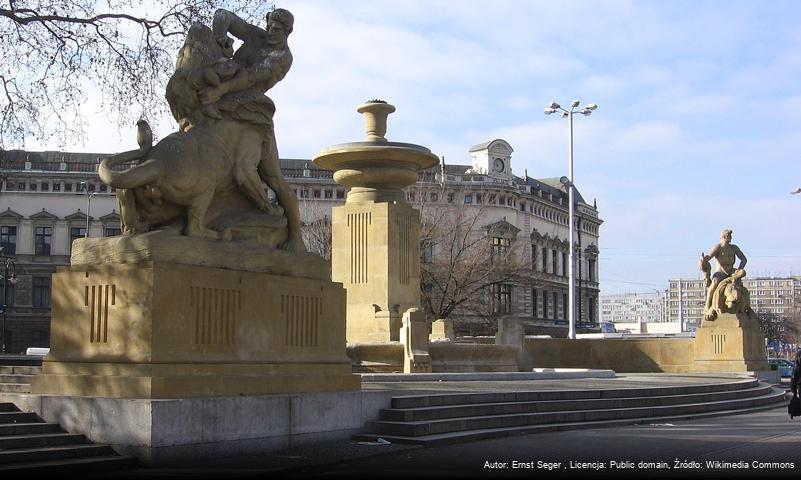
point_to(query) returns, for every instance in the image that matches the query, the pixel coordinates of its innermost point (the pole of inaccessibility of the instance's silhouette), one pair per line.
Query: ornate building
(45, 198)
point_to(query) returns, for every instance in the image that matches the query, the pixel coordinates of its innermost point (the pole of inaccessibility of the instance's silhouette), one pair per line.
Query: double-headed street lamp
(88, 206)
(8, 264)
(568, 182)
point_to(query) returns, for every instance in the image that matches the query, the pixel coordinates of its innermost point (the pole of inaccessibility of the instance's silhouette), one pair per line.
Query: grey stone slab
(122, 420)
(326, 412)
(176, 421)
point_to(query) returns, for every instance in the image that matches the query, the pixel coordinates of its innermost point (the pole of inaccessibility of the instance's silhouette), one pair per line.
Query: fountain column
(376, 234)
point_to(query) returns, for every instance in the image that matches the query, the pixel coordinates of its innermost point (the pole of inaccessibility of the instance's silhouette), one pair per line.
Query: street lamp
(88, 206)
(8, 264)
(586, 110)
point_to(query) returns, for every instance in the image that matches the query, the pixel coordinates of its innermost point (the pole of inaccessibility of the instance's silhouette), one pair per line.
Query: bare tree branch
(59, 53)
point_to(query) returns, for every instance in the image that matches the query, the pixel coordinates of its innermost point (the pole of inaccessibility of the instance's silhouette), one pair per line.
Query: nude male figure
(724, 253)
(265, 59)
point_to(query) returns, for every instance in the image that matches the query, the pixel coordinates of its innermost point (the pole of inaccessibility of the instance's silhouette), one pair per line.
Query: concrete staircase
(459, 417)
(17, 379)
(29, 444)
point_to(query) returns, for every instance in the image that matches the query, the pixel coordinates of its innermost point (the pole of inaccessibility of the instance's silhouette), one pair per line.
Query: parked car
(785, 367)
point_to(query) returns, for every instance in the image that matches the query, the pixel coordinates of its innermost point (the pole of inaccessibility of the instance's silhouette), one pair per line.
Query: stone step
(28, 428)
(8, 407)
(413, 401)
(429, 427)
(18, 417)
(41, 440)
(15, 387)
(483, 409)
(106, 463)
(54, 453)
(19, 370)
(15, 378)
(481, 434)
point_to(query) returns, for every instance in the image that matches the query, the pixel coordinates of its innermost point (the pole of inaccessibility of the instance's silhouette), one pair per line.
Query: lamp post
(568, 182)
(88, 206)
(8, 264)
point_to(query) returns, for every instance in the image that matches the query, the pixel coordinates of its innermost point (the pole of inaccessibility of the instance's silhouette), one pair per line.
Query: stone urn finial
(375, 119)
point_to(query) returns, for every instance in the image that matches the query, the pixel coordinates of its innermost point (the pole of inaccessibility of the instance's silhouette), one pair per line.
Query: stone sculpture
(207, 177)
(725, 290)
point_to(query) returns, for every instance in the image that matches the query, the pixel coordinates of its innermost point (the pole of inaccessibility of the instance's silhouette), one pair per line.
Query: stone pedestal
(414, 337)
(731, 343)
(164, 330)
(376, 256)
(442, 329)
(376, 234)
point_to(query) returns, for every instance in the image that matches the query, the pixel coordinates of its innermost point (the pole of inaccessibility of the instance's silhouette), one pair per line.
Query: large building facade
(637, 313)
(48, 199)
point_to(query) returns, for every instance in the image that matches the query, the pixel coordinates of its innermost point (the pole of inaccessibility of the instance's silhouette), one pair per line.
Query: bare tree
(778, 327)
(467, 265)
(317, 236)
(54, 51)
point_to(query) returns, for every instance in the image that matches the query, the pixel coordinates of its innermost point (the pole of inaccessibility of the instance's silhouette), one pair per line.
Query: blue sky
(697, 128)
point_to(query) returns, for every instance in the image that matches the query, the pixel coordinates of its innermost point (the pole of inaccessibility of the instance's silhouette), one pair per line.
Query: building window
(501, 298)
(426, 250)
(500, 245)
(316, 193)
(8, 240)
(565, 272)
(591, 310)
(33, 187)
(556, 305)
(76, 232)
(329, 194)
(544, 260)
(21, 186)
(533, 257)
(44, 237)
(591, 269)
(468, 199)
(112, 232)
(450, 197)
(41, 292)
(67, 187)
(534, 302)
(566, 306)
(553, 261)
(434, 197)
(45, 187)
(103, 187)
(340, 194)
(544, 304)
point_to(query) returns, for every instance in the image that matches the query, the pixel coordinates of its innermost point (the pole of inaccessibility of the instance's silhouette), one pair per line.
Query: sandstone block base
(163, 330)
(730, 343)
